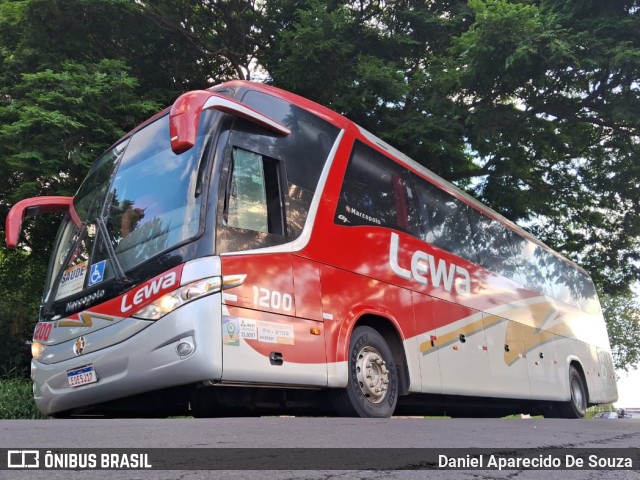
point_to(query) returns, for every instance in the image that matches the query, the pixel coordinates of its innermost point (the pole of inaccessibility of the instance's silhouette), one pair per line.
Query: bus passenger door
(264, 341)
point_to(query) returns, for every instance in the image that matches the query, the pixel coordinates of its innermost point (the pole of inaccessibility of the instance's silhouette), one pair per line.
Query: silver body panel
(146, 361)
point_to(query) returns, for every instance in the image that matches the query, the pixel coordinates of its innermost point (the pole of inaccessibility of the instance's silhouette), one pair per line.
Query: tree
(21, 275)
(66, 93)
(74, 76)
(225, 34)
(55, 122)
(552, 91)
(531, 106)
(528, 105)
(623, 323)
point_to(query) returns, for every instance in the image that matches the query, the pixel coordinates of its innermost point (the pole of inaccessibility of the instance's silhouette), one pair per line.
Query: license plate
(81, 376)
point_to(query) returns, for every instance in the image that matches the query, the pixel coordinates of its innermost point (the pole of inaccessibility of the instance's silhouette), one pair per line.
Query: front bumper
(144, 362)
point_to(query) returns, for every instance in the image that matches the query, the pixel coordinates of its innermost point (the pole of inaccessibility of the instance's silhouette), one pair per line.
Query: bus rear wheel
(372, 389)
(576, 407)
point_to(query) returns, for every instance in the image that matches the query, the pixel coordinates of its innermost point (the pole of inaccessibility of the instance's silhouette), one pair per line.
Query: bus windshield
(138, 200)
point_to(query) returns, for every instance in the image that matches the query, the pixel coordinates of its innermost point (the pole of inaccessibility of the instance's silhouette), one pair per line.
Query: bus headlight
(185, 294)
(36, 350)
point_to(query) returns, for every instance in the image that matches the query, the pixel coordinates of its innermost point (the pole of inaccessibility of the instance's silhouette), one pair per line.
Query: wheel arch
(389, 331)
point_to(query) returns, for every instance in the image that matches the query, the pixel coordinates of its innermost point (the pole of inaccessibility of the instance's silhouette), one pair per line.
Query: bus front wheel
(372, 389)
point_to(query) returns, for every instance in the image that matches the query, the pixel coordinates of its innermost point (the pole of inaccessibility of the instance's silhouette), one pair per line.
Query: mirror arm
(35, 206)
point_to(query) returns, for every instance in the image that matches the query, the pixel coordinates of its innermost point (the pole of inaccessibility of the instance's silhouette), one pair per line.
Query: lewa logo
(148, 290)
(428, 270)
(23, 459)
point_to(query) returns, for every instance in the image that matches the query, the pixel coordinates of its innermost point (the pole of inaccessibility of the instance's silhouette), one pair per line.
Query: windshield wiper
(121, 277)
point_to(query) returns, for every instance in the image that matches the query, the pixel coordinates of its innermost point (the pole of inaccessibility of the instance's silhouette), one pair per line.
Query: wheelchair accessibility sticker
(96, 274)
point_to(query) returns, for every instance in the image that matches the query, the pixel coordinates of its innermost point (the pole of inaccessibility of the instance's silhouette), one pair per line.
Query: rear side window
(494, 245)
(445, 220)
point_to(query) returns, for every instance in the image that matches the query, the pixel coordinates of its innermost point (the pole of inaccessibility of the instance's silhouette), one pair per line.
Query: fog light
(184, 349)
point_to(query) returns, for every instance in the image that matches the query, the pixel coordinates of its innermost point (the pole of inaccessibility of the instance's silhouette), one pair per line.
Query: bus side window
(493, 243)
(254, 198)
(445, 220)
(376, 191)
(406, 215)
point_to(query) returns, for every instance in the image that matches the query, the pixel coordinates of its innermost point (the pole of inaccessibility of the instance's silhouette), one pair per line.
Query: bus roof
(325, 113)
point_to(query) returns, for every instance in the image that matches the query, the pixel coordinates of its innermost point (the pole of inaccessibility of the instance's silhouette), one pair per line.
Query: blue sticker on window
(96, 274)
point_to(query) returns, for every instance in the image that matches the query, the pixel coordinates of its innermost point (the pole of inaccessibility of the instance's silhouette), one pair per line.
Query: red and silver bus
(248, 250)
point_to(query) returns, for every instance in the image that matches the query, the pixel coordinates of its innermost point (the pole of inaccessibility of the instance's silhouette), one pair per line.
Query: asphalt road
(321, 433)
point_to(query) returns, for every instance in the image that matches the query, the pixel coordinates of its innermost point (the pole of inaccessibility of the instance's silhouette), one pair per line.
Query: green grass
(16, 399)
(593, 411)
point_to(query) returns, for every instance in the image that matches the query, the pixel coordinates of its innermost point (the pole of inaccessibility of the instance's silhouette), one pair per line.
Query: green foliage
(532, 106)
(55, 122)
(622, 313)
(220, 37)
(541, 80)
(16, 400)
(66, 93)
(21, 277)
(596, 409)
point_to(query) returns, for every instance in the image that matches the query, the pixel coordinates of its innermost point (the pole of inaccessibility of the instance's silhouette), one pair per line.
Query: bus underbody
(217, 401)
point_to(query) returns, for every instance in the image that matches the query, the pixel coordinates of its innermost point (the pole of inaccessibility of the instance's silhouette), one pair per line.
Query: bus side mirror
(185, 116)
(31, 207)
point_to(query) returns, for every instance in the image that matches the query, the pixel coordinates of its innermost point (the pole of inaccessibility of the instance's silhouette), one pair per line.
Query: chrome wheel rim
(372, 374)
(577, 394)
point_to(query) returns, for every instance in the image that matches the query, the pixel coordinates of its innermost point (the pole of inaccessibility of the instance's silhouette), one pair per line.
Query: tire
(576, 407)
(372, 389)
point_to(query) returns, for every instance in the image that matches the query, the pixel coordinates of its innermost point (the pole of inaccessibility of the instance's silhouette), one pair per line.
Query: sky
(629, 389)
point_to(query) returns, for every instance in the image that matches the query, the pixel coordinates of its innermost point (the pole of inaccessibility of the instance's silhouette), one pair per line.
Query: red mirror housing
(34, 206)
(185, 116)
